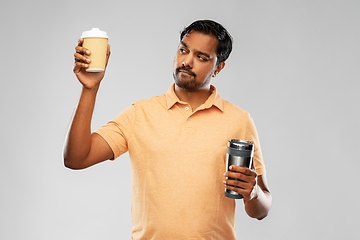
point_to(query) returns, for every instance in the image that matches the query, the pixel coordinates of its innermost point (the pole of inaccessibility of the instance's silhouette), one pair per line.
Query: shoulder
(154, 102)
(235, 111)
(140, 108)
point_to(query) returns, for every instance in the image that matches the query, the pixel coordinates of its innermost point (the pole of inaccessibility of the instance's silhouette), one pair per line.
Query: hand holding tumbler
(96, 41)
(239, 153)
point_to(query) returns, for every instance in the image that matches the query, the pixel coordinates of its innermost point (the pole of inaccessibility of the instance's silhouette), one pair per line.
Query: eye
(182, 50)
(203, 58)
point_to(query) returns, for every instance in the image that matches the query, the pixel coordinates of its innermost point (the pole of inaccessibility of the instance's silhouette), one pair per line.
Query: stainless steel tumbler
(239, 153)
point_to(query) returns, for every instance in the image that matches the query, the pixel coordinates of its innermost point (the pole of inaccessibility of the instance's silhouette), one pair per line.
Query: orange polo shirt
(178, 158)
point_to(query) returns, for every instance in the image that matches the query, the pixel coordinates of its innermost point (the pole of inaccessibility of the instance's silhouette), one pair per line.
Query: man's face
(195, 61)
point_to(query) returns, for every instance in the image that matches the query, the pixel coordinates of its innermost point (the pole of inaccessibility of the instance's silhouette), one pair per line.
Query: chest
(167, 132)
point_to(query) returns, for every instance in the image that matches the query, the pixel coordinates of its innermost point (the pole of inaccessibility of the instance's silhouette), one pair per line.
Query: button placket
(188, 113)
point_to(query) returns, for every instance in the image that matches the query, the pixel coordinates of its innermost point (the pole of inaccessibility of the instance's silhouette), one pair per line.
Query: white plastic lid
(95, 32)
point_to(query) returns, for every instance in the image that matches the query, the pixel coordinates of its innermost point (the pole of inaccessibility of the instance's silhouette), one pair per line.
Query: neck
(194, 99)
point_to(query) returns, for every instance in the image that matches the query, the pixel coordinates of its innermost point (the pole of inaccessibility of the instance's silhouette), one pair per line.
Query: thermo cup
(96, 41)
(239, 153)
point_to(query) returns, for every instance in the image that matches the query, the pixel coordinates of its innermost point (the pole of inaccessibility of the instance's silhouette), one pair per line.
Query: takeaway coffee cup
(239, 153)
(96, 41)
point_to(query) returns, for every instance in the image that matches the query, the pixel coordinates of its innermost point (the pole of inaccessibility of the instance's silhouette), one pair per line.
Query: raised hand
(87, 79)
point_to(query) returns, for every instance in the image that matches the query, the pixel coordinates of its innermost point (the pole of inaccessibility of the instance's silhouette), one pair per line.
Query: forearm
(78, 141)
(259, 206)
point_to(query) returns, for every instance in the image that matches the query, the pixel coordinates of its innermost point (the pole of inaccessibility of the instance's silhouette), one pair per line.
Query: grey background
(295, 68)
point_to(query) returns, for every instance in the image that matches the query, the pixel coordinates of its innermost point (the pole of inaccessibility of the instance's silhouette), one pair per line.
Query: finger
(80, 42)
(243, 170)
(248, 186)
(245, 193)
(239, 178)
(233, 188)
(236, 189)
(238, 186)
(79, 65)
(80, 57)
(108, 52)
(235, 183)
(237, 175)
(76, 69)
(82, 50)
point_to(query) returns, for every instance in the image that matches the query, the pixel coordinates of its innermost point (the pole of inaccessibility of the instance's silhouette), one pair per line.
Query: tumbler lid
(241, 144)
(94, 32)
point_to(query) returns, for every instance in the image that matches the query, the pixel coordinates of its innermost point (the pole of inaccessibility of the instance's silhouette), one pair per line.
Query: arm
(82, 148)
(257, 197)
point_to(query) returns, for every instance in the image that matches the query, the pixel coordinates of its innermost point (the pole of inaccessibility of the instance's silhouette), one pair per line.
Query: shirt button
(186, 108)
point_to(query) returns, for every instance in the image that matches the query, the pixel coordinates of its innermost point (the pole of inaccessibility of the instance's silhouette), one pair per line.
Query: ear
(219, 67)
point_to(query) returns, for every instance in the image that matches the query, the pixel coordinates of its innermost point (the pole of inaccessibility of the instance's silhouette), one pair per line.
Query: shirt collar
(214, 99)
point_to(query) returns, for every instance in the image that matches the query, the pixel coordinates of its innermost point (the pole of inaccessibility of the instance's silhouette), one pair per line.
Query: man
(177, 145)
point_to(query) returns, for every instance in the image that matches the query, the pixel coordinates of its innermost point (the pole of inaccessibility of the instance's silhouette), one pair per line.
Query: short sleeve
(117, 132)
(252, 136)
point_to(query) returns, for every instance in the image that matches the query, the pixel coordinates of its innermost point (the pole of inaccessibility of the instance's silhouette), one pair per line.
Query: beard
(187, 82)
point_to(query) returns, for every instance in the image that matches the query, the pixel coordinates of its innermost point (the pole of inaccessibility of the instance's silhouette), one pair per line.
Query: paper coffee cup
(96, 41)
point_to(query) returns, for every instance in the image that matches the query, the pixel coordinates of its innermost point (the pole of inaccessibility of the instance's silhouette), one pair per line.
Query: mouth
(185, 72)
(179, 70)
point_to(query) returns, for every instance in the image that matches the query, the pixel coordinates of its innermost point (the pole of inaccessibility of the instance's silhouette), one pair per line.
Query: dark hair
(215, 29)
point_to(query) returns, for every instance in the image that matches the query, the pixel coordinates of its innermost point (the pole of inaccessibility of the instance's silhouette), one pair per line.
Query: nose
(188, 61)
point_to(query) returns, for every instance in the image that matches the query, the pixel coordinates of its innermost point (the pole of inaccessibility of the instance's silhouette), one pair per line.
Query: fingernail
(87, 52)
(230, 167)
(224, 182)
(88, 60)
(225, 174)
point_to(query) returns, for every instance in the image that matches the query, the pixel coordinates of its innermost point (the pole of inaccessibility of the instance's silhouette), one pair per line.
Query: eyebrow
(199, 52)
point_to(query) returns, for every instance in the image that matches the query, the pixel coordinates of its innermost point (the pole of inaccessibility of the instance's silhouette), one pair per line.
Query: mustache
(185, 69)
